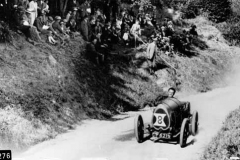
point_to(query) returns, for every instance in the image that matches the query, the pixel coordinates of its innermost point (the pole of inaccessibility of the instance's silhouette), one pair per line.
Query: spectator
(193, 31)
(118, 23)
(151, 54)
(92, 53)
(73, 4)
(41, 5)
(106, 10)
(97, 32)
(41, 23)
(46, 6)
(163, 31)
(165, 22)
(33, 11)
(114, 6)
(50, 38)
(84, 9)
(107, 33)
(136, 32)
(56, 25)
(99, 15)
(154, 20)
(74, 14)
(114, 36)
(23, 3)
(24, 21)
(64, 28)
(169, 31)
(49, 23)
(25, 26)
(71, 25)
(85, 29)
(68, 16)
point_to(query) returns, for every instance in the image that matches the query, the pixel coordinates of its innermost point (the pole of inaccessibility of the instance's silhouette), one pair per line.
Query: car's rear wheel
(194, 123)
(183, 133)
(139, 128)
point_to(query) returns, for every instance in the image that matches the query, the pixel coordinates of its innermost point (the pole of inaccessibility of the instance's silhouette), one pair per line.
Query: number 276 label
(5, 155)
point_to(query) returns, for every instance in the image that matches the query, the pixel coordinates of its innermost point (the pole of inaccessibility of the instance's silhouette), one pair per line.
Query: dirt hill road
(114, 140)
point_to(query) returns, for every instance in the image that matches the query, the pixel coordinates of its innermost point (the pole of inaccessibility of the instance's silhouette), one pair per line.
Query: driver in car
(171, 93)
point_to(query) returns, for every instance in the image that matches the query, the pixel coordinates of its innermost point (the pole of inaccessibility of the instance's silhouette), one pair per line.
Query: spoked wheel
(184, 133)
(139, 128)
(194, 123)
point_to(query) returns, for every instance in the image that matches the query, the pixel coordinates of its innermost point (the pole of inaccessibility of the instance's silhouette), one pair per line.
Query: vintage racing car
(171, 121)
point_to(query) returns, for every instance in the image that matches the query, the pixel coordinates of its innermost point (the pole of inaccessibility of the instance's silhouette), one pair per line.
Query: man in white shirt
(136, 32)
(33, 11)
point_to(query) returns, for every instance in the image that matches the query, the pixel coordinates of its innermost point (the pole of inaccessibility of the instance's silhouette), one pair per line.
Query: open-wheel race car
(171, 121)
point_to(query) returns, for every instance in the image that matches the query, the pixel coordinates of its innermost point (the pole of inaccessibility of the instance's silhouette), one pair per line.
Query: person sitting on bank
(92, 53)
(151, 54)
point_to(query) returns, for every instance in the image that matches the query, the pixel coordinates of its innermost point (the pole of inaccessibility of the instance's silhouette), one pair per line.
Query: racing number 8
(159, 119)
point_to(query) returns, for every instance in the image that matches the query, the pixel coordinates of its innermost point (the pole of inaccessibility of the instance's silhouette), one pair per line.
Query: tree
(218, 10)
(143, 5)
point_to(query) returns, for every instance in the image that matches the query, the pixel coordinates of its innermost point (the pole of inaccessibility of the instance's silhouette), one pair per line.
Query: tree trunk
(65, 6)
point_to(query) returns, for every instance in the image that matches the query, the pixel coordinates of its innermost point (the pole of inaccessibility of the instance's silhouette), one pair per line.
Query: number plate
(165, 135)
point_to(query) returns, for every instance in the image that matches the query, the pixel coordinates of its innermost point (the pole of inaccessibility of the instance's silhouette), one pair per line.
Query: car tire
(139, 128)
(183, 133)
(194, 123)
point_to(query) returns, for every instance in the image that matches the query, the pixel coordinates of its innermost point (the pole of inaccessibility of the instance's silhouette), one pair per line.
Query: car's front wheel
(184, 133)
(139, 128)
(194, 123)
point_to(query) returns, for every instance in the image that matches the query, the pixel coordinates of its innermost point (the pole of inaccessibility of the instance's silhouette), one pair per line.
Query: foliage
(5, 34)
(173, 3)
(191, 9)
(227, 142)
(219, 10)
(230, 29)
(144, 5)
(236, 7)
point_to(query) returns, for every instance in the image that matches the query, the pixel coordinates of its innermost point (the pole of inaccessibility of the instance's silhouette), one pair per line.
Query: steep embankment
(46, 90)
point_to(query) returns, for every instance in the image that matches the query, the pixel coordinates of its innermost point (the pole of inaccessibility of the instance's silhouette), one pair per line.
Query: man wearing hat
(193, 31)
(151, 54)
(56, 24)
(41, 23)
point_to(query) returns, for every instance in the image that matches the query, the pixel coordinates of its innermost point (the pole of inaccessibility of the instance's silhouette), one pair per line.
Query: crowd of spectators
(102, 27)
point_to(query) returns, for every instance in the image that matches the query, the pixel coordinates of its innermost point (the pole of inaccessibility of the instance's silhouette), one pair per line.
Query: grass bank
(47, 90)
(226, 143)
